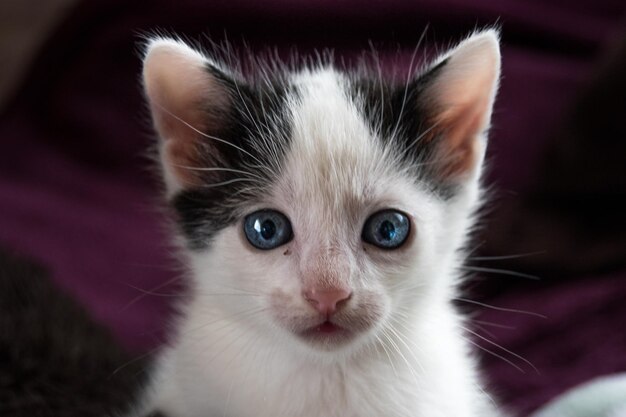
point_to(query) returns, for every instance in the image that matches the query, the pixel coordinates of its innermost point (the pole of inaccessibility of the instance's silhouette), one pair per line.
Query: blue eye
(267, 229)
(387, 229)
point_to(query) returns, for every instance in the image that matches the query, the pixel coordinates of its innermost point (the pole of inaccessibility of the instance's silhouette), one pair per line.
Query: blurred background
(548, 292)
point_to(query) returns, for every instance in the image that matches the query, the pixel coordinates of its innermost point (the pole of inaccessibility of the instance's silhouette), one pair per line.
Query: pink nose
(327, 301)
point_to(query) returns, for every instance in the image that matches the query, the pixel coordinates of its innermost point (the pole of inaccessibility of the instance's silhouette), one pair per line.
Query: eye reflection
(266, 229)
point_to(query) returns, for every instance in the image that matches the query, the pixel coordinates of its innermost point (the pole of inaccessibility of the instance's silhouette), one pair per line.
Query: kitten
(323, 216)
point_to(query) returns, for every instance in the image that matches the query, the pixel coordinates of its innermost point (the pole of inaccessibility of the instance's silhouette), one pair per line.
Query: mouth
(326, 327)
(327, 334)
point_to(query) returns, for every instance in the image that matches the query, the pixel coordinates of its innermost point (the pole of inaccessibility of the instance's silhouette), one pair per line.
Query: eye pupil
(268, 229)
(387, 230)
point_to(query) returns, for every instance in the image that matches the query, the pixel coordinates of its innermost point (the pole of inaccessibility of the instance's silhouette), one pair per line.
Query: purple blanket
(76, 191)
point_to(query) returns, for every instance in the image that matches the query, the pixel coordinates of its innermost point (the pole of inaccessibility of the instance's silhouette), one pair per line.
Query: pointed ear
(188, 99)
(457, 97)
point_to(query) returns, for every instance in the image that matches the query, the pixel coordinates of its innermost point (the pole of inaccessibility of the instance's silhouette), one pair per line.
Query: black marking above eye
(386, 229)
(267, 229)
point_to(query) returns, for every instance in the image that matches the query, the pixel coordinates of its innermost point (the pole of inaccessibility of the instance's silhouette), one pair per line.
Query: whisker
(406, 85)
(145, 293)
(408, 285)
(241, 289)
(482, 329)
(496, 325)
(380, 84)
(500, 271)
(219, 169)
(503, 257)
(134, 360)
(231, 181)
(495, 355)
(228, 295)
(405, 360)
(526, 361)
(420, 136)
(239, 314)
(244, 332)
(382, 344)
(404, 341)
(222, 294)
(246, 347)
(153, 292)
(508, 310)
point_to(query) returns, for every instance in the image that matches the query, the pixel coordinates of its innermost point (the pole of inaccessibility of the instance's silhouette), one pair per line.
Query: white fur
(234, 357)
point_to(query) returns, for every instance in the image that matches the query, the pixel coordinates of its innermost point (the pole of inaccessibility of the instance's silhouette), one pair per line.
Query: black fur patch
(257, 113)
(401, 111)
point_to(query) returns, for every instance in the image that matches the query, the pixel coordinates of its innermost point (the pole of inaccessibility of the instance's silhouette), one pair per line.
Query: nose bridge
(327, 267)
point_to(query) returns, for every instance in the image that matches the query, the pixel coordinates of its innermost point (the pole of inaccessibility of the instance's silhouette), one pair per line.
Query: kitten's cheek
(283, 310)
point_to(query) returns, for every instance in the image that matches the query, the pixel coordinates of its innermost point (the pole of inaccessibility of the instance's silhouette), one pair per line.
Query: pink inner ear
(458, 150)
(463, 95)
(181, 93)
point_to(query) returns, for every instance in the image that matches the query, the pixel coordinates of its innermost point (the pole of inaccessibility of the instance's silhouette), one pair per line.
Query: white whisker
(407, 83)
(496, 355)
(526, 361)
(500, 271)
(508, 310)
(221, 169)
(382, 344)
(505, 257)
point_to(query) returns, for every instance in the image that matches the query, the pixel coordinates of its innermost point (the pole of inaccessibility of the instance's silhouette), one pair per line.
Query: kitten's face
(335, 175)
(324, 208)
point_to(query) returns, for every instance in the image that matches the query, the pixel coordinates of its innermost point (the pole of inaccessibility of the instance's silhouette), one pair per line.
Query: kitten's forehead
(329, 136)
(335, 165)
